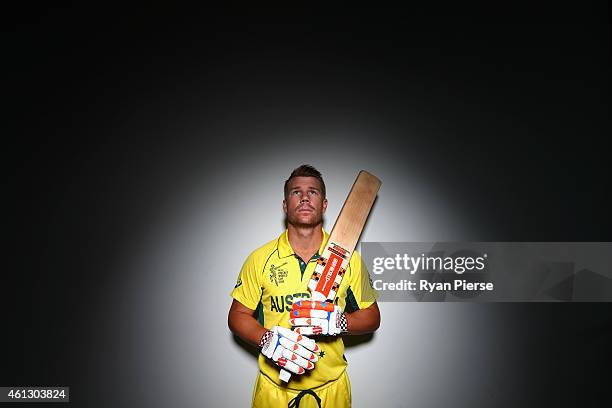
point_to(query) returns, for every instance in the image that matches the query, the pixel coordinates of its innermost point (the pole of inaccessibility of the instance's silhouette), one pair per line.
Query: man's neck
(305, 241)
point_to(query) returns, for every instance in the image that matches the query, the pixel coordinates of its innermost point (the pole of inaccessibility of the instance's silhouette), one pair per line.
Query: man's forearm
(242, 323)
(363, 321)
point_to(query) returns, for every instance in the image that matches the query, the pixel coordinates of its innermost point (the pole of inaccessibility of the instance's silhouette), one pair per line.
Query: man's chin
(305, 223)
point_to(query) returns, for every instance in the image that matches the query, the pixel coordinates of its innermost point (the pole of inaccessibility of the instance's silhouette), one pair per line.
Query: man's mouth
(305, 209)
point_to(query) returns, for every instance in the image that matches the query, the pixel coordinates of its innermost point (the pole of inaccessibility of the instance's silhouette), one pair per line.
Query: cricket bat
(334, 260)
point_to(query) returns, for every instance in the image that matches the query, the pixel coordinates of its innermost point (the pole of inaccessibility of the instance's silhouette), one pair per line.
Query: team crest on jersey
(238, 283)
(277, 274)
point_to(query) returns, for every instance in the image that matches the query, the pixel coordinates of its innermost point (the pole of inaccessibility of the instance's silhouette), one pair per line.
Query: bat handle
(284, 375)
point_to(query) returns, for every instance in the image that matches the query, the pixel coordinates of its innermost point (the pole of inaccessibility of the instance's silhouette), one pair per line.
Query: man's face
(304, 204)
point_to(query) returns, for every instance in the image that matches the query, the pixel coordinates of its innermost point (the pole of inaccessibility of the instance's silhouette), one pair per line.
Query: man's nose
(304, 199)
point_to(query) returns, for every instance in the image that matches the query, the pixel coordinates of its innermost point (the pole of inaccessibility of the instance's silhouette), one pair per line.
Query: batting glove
(290, 350)
(315, 317)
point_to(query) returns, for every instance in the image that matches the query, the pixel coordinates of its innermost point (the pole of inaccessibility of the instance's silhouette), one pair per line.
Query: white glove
(315, 317)
(290, 350)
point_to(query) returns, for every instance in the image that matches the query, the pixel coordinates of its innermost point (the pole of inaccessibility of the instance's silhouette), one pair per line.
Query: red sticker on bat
(328, 276)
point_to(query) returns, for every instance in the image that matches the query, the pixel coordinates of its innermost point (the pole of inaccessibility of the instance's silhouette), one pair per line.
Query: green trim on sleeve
(351, 302)
(259, 313)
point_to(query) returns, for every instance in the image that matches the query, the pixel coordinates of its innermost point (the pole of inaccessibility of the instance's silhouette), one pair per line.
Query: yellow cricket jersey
(272, 276)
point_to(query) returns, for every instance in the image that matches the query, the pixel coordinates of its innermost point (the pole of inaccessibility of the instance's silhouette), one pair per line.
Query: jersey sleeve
(360, 293)
(248, 287)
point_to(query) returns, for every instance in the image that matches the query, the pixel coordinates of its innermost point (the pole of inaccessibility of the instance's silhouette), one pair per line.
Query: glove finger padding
(320, 314)
(299, 350)
(309, 330)
(290, 366)
(315, 317)
(313, 304)
(302, 321)
(295, 358)
(290, 350)
(297, 338)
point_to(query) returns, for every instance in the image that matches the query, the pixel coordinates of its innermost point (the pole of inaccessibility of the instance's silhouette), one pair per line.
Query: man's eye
(313, 192)
(295, 192)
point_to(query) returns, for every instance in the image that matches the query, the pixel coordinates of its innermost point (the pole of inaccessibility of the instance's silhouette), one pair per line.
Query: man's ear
(285, 206)
(324, 205)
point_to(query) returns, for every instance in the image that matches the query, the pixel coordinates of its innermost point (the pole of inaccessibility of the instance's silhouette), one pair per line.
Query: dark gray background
(146, 150)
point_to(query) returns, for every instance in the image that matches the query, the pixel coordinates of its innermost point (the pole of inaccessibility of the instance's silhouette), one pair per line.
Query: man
(276, 274)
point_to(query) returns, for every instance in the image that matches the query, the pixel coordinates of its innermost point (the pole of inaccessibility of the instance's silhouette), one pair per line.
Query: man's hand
(315, 317)
(290, 350)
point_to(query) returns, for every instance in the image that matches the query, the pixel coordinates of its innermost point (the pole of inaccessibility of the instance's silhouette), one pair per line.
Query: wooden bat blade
(334, 260)
(355, 211)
